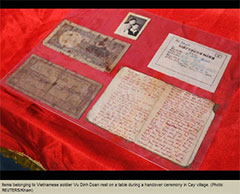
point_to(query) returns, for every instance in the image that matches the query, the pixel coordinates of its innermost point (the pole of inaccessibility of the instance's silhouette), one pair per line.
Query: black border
(120, 4)
(120, 175)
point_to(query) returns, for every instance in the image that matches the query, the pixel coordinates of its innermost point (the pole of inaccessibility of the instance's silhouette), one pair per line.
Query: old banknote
(163, 119)
(87, 46)
(54, 85)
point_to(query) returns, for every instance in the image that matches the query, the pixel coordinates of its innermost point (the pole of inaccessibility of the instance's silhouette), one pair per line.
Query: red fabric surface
(27, 128)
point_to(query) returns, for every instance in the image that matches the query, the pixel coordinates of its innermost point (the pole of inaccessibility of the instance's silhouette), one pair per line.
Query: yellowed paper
(54, 85)
(126, 103)
(87, 46)
(175, 125)
(163, 119)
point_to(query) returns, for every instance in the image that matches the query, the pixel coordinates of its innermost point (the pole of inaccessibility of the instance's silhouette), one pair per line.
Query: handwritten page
(127, 103)
(191, 62)
(54, 85)
(175, 125)
(161, 118)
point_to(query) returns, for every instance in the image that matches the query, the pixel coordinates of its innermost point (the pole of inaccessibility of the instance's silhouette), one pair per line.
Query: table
(45, 137)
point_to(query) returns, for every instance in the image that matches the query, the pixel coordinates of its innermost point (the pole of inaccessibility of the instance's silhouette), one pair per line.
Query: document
(161, 118)
(87, 46)
(190, 62)
(54, 85)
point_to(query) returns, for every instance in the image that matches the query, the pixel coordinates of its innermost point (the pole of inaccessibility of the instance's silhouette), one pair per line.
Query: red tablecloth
(32, 130)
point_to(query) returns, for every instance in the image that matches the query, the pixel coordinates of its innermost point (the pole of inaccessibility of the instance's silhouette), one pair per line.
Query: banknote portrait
(51, 84)
(132, 26)
(87, 46)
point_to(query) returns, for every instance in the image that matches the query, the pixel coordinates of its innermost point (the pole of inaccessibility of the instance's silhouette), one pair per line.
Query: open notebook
(161, 118)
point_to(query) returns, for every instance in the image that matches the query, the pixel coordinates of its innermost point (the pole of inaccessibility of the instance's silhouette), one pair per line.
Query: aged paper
(132, 26)
(161, 118)
(191, 62)
(54, 85)
(87, 46)
(126, 103)
(175, 125)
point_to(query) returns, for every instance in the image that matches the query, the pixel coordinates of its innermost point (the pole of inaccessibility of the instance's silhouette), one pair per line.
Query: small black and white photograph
(132, 26)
